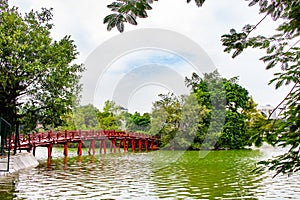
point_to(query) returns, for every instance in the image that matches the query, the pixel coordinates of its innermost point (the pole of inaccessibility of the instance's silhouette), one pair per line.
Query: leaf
(131, 19)
(279, 84)
(199, 3)
(263, 3)
(120, 26)
(271, 49)
(109, 18)
(111, 25)
(253, 3)
(125, 9)
(271, 64)
(232, 31)
(237, 52)
(115, 5)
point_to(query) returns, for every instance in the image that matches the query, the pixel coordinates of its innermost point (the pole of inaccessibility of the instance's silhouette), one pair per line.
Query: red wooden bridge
(116, 139)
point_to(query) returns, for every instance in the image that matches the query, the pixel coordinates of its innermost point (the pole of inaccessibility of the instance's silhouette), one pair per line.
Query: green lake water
(155, 175)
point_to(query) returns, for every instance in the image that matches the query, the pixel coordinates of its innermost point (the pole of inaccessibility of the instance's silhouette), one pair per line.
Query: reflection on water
(220, 175)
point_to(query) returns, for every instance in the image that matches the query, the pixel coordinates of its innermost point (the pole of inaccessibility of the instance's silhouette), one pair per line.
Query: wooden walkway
(107, 139)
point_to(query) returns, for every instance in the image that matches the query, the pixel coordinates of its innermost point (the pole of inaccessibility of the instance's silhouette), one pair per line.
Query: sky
(204, 26)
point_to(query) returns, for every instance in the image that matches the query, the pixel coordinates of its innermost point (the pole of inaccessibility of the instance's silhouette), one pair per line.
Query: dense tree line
(110, 117)
(217, 114)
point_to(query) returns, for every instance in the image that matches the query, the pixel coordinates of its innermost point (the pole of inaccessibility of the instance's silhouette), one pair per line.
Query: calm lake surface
(155, 175)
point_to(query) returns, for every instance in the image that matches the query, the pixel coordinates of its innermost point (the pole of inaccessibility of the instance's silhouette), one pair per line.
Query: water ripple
(220, 175)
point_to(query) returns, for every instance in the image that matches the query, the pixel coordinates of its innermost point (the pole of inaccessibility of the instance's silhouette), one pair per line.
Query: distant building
(267, 110)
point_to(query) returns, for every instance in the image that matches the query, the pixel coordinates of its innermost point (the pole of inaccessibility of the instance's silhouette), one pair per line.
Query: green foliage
(108, 118)
(225, 99)
(82, 118)
(37, 84)
(256, 123)
(127, 11)
(138, 122)
(282, 50)
(176, 119)
(113, 117)
(211, 117)
(166, 115)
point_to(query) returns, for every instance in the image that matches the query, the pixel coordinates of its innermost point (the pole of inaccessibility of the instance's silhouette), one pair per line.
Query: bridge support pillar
(113, 145)
(146, 145)
(133, 145)
(65, 163)
(79, 148)
(49, 150)
(92, 147)
(49, 163)
(66, 149)
(140, 143)
(125, 145)
(104, 146)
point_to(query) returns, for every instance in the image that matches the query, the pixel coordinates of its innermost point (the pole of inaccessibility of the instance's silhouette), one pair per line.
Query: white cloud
(142, 75)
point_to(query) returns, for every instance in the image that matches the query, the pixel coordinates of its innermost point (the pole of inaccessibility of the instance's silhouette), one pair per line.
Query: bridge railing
(61, 137)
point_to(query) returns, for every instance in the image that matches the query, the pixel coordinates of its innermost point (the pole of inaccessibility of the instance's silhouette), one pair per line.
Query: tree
(211, 99)
(282, 51)
(192, 120)
(224, 99)
(108, 119)
(38, 83)
(138, 123)
(235, 134)
(258, 124)
(166, 116)
(211, 117)
(82, 118)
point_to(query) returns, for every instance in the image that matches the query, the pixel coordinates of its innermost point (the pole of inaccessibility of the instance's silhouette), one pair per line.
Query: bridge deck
(48, 139)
